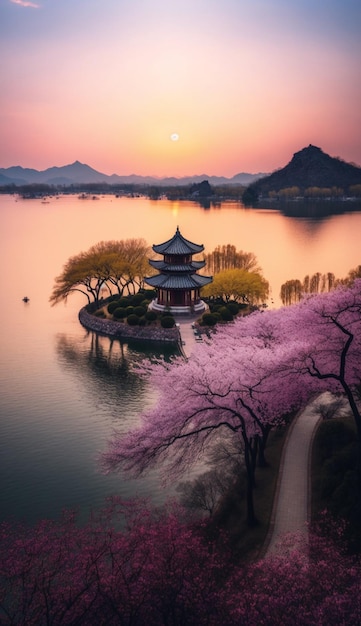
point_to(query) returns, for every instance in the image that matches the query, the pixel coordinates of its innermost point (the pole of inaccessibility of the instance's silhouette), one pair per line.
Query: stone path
(187, 333)
(291, 508)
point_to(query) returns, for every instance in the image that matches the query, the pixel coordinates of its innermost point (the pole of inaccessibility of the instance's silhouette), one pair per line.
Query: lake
(64, 390)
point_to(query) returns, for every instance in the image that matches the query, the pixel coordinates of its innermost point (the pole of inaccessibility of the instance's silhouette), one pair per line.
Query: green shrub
(233, 307)
(139, 310)
(99, 313)
(142, 321)
(167, 321)
(133, 320)
(209, 319)
(112, 306)
(338, 480)
(225, 314)
(151, 316)
(120, 313)
(137, 299)
(332, 435)
(344, 459)
(124, 301)
(149, 294)
(129, 310)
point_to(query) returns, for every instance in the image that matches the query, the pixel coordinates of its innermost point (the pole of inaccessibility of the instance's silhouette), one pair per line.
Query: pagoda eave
(180, 282)
(178, 245)
(161, 265)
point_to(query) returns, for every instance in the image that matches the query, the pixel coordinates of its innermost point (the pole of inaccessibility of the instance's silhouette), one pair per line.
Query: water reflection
(105, 367)
(317, 210)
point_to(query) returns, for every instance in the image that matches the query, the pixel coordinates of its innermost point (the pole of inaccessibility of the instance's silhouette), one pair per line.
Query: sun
(174, 136)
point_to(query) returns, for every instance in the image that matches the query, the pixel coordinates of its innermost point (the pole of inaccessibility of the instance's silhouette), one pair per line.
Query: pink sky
(243, 83)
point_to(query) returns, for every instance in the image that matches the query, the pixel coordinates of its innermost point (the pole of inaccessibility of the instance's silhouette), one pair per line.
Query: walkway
(291, 508)
(189, 338)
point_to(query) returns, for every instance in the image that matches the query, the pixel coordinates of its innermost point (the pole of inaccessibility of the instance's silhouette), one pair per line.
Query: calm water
(63, 390)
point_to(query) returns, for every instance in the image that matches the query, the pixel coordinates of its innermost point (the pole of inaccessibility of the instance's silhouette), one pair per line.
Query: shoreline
(120, 330)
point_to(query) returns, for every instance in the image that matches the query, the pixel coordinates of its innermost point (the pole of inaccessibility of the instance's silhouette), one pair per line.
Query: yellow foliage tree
(239, 285)
(119, 265)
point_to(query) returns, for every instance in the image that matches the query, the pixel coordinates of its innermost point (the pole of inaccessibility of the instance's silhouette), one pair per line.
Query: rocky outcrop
(122, 331)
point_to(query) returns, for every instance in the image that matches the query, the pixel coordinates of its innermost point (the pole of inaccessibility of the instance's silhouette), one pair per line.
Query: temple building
(178, 285)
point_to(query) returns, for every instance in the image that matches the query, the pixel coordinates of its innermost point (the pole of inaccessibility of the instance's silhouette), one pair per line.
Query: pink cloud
(24, 3)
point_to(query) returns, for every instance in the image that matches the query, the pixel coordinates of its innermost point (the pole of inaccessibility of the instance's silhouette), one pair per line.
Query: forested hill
(309, 169)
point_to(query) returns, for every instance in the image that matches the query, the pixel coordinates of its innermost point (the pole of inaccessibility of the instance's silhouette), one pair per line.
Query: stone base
(124, 332)
(195, 309)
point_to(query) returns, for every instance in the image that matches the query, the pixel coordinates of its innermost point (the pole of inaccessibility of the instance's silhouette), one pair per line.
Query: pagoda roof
(179, 281)
(162, 266)
(178, 245)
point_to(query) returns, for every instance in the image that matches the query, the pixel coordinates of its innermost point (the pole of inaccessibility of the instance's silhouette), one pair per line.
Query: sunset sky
(178, 87)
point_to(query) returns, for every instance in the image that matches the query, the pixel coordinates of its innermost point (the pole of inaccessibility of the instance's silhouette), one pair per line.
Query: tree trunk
(262, 447)
(261, 456)
(251, 516)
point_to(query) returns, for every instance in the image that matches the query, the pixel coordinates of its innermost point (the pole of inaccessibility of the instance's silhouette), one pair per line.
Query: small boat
(26, 299)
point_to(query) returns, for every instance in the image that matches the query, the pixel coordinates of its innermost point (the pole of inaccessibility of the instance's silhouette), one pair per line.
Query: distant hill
(310, 167)
(67, 175)
(5, 180)
(79, 173)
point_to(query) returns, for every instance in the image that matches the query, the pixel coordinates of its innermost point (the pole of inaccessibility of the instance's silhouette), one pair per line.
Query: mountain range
(310, 167)
(79, 173)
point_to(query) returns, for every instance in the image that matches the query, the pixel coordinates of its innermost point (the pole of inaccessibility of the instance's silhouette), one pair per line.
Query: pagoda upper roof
(178, 245)
(191, 267)
(183, 281)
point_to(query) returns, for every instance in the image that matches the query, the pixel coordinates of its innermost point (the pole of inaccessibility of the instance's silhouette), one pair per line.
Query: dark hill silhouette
(310, 167)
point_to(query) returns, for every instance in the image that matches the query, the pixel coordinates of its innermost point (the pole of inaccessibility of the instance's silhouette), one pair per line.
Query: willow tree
(110, 265)
(293, 290)
(353, 275)
(239, 285)
(226, 257)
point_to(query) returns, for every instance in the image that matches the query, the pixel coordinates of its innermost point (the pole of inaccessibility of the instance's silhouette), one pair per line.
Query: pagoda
(178, 285)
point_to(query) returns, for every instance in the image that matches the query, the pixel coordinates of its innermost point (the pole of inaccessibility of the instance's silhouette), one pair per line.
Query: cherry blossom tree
(315, 584)
(328, 351)
(323, 332)
(236, 386)
(131, 566)
(156, 569)
(245, 381)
